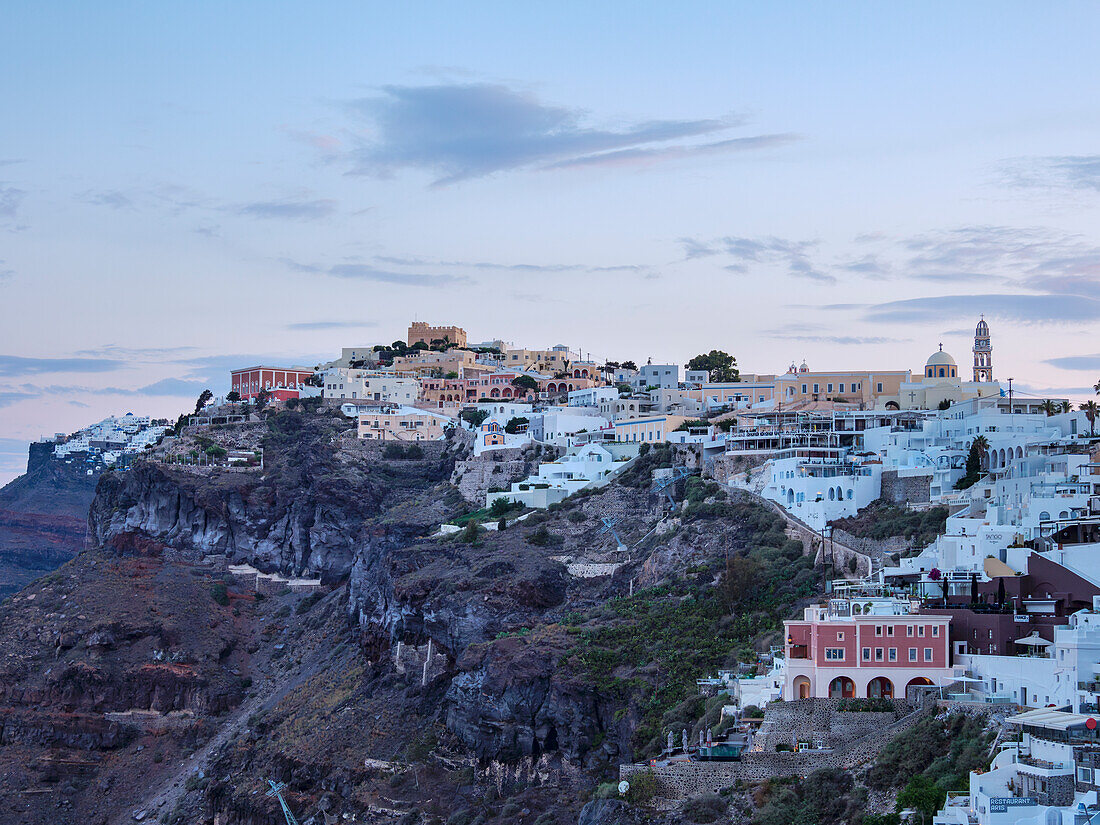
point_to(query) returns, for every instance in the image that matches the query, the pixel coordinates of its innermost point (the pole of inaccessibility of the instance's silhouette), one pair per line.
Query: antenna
(276, 791)
(609, 524)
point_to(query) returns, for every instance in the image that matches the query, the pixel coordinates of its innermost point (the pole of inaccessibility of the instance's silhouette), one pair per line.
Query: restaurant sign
(1001, 804)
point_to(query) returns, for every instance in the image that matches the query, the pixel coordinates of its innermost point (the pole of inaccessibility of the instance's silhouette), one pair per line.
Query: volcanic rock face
(511, 701)
(43, 517)
(309, 511)
(460, 658)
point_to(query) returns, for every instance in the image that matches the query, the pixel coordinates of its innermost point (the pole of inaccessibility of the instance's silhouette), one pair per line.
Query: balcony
(1041, 767)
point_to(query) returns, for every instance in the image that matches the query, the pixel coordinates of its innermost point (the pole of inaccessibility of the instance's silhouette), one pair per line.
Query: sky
(190, 187)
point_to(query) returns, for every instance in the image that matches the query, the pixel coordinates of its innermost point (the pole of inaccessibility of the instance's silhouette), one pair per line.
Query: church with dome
(940, 382)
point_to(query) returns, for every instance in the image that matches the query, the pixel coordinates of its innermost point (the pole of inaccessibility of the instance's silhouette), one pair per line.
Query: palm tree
(1049, 407)
(981, 444)
(1096, 387)
(1066, 406)
(1091, 411)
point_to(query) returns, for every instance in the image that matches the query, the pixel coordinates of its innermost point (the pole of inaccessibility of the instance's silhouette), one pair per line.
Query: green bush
(643, 787)
(707, 807)
(306, 604)
(945, 750)
(220, 593)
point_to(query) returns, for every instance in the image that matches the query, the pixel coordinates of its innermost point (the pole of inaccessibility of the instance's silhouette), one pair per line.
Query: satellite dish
(624, 786)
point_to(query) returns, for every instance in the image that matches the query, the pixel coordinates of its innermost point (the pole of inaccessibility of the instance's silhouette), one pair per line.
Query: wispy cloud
(16, 365)
(366, 272)
(1084, 363)
(463, 131)
(1024, 309)
(841, 340)
(289, 209)
(111, 198)
(750, 254)
(8, 397)
(397, 260)
(11, 198)
(312, 326)
(1063, 172)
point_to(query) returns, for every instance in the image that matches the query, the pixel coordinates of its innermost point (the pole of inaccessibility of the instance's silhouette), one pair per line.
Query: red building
(280, 382)
(874, 647)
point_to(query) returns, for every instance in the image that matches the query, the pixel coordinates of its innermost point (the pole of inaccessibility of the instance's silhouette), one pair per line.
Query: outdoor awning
(995, 568)
(1034, 639)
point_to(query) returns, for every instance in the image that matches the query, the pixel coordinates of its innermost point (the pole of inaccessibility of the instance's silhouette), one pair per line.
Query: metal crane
(609, 527)
(276, 791)
(664, 486)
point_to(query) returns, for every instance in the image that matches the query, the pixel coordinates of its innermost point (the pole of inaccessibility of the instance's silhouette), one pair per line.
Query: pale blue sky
(185, 186)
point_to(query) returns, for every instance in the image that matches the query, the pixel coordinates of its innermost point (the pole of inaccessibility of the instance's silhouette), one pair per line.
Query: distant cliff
(43, 517)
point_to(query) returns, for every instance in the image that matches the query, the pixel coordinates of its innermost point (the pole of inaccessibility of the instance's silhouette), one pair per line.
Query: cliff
(431, 676)
(43, 516)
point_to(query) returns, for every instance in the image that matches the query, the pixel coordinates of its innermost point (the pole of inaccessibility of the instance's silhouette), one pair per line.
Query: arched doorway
(801, 688)
(880, 688)
(842, 688)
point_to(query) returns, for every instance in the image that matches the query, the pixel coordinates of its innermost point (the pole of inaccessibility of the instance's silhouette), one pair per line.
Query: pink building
(873, 647)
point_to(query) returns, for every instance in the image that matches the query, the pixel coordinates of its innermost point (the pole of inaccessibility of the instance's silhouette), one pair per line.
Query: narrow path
(163, 797)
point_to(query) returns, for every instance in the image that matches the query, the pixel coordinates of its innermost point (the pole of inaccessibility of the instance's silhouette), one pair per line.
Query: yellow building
(939, 383)
(650, 429)
(550, 360)
(854, 387)
(435, 363)
(426, 334)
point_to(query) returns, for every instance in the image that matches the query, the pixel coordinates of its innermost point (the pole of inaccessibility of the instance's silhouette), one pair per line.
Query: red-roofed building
(280, 382)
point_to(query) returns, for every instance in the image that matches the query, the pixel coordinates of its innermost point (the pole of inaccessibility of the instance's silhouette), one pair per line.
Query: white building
(592, 396)
(556, 427)
(1049, 777)
(370, 385)
(820, 490)
(558, 479)
(665, 376)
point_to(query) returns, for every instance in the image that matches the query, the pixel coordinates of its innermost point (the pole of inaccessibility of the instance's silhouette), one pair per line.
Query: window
(909, 630)
(892, 654)
(889, 630)
(817, 388)
(912, 654)
(829, 387)
(878, 630)
(842, 388)
(920, 630)
(803, 389)
(1084, 775)
(928, 654)
(935, 630)
(879, 386)
(834, 654)
(840, 635)
(866, 654)
(878, 654)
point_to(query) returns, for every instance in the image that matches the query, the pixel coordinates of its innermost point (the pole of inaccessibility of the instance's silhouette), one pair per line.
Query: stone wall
(494, 468)
(875, 548)
(853, 740)
(906, 489)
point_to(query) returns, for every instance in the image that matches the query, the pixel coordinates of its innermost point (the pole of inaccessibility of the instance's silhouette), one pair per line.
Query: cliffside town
(435, 582)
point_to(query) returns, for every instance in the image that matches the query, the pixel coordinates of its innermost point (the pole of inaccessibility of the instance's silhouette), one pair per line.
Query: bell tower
(983, 352)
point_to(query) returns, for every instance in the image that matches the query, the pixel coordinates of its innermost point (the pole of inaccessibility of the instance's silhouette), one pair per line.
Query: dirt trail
(164, 796)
